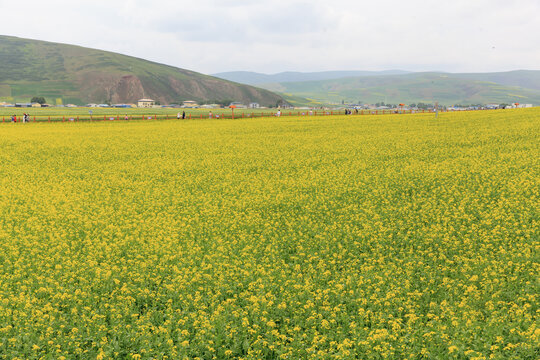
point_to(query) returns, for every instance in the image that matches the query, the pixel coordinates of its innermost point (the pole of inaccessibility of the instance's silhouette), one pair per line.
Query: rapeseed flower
(373, 237)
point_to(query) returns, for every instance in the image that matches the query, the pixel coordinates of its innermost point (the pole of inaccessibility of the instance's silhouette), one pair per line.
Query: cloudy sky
(271, 36)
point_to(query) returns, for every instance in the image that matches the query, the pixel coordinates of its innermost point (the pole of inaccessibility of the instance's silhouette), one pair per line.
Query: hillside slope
(445, 88)
(80, 75)
(529, 79)
(254, 78)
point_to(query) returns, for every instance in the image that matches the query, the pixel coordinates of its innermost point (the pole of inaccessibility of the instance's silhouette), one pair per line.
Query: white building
(146, 103)
(190, 104)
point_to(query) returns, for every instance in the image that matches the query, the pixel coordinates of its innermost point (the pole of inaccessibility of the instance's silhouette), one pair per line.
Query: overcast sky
(271, 36)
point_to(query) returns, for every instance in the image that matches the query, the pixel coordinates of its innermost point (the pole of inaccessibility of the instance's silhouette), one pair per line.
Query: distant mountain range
(254, 78)
(80, 75)
(397, 86)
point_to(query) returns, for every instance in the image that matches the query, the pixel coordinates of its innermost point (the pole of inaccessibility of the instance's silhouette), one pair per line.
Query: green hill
(447, 89)
(254, 78)
(80, 75)
(528, 79)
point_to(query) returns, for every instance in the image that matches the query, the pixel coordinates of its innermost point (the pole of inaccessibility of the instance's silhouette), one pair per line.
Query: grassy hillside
(253, 78)
(528, 79)
(80, 75)
(445, 88)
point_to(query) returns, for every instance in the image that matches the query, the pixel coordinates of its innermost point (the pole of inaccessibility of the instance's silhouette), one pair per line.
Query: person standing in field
(178, 115)
(210, 115)
(14, 118)
(183, 114)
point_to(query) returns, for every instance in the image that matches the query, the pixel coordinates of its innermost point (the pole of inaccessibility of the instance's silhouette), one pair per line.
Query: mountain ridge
(80, 75)
(256, 78)
(446, 88)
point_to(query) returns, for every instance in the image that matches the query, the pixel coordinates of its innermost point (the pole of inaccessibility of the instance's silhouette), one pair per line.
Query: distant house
(36, 105)
(146, 103)
(23, 105)
(254, 105)
(190, 104)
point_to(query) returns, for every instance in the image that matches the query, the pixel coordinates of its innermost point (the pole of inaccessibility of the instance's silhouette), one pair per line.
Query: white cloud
(274, 35)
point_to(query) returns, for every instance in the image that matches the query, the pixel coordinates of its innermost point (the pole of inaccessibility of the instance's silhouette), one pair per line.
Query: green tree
(38, 99)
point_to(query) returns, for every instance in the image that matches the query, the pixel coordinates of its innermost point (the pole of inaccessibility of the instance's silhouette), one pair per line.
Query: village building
(146, 103)
(190, 104)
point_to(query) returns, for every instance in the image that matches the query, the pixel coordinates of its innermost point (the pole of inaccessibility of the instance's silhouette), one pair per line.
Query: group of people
(349, 111)
(181, 116)
(25, 118)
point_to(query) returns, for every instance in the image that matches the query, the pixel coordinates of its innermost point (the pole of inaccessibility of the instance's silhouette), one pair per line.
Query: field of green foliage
(375, 237)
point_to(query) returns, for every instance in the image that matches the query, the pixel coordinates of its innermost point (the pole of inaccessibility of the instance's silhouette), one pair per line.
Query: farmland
(396, 236)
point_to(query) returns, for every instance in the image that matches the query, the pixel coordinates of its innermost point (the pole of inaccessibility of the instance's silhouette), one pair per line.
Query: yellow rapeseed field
(374, 237)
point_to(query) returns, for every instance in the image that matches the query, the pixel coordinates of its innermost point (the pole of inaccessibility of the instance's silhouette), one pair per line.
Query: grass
(328, 238)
